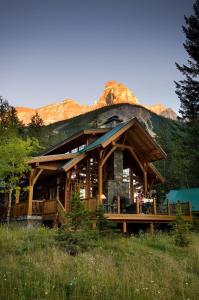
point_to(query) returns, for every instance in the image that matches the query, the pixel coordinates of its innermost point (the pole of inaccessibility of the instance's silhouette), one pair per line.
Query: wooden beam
(74, 162)
(37, 176)
(119, 133)
(133, 154)
(49, 167)
(52, 157)
(108, 155)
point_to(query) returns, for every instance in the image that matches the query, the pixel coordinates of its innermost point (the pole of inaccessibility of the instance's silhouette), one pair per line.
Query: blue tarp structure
(184, 195)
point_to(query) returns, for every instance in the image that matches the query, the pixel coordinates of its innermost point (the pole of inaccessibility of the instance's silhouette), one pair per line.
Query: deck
(144, 218)
(52, 210)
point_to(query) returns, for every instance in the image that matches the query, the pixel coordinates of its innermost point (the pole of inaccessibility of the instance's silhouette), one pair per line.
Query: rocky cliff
(114, 93)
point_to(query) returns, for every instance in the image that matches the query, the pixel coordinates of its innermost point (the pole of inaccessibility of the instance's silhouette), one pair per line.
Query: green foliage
(188, 89)
(181, 230)
(103, 225)
(14, 153)
(78, 217)
(77, 235)
(9, 122)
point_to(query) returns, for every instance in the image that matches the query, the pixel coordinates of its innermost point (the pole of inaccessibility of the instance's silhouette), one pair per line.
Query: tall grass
(33, 266)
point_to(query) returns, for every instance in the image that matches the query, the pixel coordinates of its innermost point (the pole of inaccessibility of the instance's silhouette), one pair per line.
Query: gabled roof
(72, 139)
(152, 149)
(105, 137)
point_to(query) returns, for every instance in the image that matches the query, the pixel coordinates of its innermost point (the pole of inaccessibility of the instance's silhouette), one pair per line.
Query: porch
(53, 210)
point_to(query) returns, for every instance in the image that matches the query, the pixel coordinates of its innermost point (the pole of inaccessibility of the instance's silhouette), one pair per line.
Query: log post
(154, 206)
(152, 228)
(145, 185)
(100, 189)
(118, 203)
(124, 229)
(17, 195)
(88, 179)
(30, 197)
(137, 207)
(131, 187)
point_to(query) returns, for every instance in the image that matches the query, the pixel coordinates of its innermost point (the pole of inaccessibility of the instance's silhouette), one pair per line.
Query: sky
(51, 50)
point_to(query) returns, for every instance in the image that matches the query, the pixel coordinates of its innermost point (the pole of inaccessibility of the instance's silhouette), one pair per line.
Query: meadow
(34, 266)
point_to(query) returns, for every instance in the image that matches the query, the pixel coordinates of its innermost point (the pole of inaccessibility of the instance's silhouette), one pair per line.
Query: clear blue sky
(56, 49)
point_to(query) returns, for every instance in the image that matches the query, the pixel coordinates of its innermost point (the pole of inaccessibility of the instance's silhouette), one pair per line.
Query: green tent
(185, 195)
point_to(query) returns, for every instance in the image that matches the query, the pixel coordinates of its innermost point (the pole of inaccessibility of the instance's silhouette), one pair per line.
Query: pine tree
(188, 89)
(36, 128)
(9, 122)
(188, 93)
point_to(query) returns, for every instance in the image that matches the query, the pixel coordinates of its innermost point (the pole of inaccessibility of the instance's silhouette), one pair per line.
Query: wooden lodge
(108, 166)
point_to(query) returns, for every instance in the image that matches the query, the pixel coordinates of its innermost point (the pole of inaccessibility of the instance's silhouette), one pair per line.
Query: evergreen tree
(36, 129)
(188, 93)
(188, 89)
(9, 122)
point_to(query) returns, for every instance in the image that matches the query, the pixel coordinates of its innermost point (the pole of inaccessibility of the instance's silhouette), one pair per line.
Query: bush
(181, 231)
(76, 236)
(103, 225)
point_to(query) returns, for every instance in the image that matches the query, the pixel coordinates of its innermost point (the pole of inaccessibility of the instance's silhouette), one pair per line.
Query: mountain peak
(116, 93)
(113, 93)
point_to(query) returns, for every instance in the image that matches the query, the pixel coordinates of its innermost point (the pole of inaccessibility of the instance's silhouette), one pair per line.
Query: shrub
(103, 225)
(76, 236)
(181, 230)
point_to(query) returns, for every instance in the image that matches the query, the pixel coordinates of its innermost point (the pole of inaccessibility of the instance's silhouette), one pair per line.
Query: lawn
(34, 266)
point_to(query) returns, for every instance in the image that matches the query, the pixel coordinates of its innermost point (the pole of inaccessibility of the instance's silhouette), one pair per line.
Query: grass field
(33, 266)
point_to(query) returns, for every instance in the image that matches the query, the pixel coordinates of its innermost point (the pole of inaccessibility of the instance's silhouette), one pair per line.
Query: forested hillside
(169, 134)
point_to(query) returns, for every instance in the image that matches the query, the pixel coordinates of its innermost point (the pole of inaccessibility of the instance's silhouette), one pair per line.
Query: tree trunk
(9, 206)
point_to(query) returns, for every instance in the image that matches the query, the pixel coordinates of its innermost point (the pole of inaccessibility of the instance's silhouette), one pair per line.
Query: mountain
(114, 93)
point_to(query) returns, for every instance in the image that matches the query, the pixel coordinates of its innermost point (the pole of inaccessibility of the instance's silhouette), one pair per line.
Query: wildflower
(137, 290)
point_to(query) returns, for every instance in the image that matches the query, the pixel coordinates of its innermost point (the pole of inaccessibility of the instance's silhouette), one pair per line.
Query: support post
(137, 207)
(17, 195)
(30, 197)
(152, 228)
(145, 185)
(118, 203)
(124, 227)
(131, 187)
(100, 184)
(154, 206)
(88, 179)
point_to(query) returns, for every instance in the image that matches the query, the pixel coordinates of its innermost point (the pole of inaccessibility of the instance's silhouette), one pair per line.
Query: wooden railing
(61, 213)
(37, 207)
(49, 207)
(90, 204)
(20, 209)
(150, 208)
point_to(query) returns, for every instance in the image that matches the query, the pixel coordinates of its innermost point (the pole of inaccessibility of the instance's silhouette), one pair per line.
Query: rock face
(52, 113)
(114, 93)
